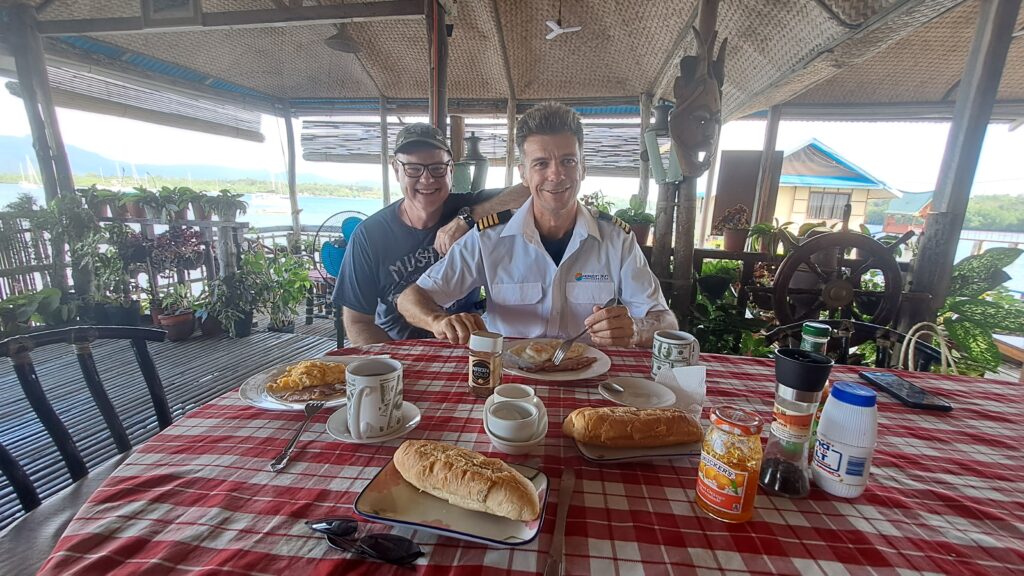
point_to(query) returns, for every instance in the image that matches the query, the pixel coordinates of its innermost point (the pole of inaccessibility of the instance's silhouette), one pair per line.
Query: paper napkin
(689, 384)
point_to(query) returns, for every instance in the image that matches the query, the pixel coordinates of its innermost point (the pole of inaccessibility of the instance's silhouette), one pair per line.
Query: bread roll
(467, 479)
(623, 427)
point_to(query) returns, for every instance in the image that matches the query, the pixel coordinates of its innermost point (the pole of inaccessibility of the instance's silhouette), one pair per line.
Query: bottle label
(843, 463)
(480, 372)
(720, 486)
(792, 426)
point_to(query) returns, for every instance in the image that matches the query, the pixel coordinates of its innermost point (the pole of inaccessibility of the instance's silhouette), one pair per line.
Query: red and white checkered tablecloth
(946, 493)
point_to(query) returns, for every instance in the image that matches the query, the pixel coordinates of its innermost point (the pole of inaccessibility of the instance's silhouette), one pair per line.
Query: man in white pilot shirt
(549, 268)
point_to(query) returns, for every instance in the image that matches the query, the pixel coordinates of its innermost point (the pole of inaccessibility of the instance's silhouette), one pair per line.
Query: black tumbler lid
(802, 370)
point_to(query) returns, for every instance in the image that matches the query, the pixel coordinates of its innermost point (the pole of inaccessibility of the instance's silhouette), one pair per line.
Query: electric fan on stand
(329, 245)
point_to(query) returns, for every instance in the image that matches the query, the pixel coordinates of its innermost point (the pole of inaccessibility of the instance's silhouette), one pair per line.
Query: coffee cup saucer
(337, 425)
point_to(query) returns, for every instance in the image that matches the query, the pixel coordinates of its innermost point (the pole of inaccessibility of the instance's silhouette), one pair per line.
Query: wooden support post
(979, 84)
(682, 264)
(384, 167)
(54, 169)
(707, 207)
(293, 187)
(764, 201)
(437, 37)
(645, 165)
(456, 138)
(664, 226)
(510, 142)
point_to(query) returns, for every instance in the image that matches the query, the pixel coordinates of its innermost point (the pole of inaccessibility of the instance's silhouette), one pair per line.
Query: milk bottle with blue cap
(846, 440)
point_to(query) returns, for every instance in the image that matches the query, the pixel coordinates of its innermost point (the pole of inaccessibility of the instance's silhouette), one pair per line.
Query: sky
(904, 155)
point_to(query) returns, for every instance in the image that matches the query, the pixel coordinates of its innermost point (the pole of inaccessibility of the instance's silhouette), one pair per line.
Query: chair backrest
(19, 350)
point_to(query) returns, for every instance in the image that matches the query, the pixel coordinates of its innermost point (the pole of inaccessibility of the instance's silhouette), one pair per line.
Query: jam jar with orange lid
(730, 464)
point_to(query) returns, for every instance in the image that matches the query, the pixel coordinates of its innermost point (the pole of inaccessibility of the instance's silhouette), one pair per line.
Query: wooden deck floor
(193, 372)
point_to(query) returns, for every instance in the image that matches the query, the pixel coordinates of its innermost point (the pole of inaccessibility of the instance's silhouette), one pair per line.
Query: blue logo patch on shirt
(581, 277)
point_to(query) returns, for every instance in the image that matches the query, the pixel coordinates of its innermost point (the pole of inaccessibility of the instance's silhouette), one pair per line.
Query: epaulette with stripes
(494, 219)
(614, 220)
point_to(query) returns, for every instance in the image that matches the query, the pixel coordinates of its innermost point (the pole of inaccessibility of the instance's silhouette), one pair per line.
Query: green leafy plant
(767, 236)
(722, 328)
(636, 212)
(226, 205)
(290, 275)
(970, 319)
(178, 300)
(47, 306)
(598, 201)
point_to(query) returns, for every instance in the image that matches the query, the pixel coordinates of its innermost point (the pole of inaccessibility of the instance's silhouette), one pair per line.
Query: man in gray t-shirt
(391, 248)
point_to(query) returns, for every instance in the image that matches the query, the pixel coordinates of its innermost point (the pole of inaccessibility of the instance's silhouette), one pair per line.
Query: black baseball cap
(421, 132)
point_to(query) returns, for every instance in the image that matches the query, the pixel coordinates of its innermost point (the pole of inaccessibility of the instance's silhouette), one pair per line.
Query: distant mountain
(15, 149)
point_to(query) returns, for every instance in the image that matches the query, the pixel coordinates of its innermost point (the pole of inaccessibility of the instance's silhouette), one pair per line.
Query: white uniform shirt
(527, 295)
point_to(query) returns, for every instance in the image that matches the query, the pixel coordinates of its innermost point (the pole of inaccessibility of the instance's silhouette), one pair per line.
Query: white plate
(337, 425)
(638, 393)
(254, 390)
(604, 454)
(389, 499)
(603, 364)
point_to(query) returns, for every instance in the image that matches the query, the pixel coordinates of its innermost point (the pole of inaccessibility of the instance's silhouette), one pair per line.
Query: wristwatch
(466, 215)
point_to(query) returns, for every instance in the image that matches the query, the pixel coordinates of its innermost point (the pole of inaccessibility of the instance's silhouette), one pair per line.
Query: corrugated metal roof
(910, 203)
(815, 164)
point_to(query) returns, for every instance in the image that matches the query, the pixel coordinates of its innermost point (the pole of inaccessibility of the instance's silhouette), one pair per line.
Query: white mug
(374, 389)
(673, 349)
(513, 420)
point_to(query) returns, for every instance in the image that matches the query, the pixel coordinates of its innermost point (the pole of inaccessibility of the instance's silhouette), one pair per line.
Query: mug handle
(355, 429)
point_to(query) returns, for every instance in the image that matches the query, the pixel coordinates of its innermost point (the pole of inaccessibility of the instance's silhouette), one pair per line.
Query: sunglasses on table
(391, 548)
(414, 170)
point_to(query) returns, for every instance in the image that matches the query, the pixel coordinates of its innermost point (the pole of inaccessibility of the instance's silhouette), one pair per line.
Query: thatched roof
(811, 52)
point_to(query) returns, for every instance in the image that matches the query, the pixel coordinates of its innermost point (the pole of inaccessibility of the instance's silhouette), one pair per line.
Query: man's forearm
(511, 197)
(646, 327)
(360, 329)
(419, 309)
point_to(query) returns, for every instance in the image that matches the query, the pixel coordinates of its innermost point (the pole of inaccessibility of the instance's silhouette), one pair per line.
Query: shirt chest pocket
(516, 294)
(589, 292)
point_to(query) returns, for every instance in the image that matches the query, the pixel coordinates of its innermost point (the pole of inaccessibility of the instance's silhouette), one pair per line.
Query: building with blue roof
(817, 182)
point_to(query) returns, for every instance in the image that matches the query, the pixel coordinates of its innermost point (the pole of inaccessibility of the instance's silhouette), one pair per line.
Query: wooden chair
(25, 545)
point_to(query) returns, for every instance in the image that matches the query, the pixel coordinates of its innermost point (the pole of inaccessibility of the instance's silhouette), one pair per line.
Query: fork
(281, 461)
(564, 347)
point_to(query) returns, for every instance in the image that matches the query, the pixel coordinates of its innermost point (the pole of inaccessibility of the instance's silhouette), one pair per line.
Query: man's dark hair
(546, 119)
(414, 147)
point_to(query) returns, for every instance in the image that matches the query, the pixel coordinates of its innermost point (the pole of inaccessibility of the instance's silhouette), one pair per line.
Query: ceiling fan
(556, 25)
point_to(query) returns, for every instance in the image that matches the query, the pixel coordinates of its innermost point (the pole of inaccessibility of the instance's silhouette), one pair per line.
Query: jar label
(480, 372)
(719, 486)
(792, 426)
(843, 463)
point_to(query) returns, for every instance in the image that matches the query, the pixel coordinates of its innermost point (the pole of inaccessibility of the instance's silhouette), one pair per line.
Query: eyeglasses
(414, 170)
(390, 548)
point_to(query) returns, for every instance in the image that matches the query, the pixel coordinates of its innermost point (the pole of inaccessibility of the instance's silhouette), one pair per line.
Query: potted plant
(734, 224)
(18, 312)
(290, 275)
(174, 202)
(178, 317)
(766, 236)
(197, 200)
(226, 205)
(234, 298)
(598, 201)
(207, 312)
(638, 219)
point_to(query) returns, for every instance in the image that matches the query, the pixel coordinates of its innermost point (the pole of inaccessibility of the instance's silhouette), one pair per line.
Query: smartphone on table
(907, 393)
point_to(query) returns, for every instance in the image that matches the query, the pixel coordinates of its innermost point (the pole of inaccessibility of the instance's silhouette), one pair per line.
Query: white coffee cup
(673, 349)
(374, 388)
(513, 420)
(514, 392)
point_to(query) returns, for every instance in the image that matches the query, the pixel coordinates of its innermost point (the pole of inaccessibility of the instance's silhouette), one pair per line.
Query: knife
(565, 486)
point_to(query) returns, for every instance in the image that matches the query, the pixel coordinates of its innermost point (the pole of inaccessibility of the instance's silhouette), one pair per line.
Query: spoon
(612, 386)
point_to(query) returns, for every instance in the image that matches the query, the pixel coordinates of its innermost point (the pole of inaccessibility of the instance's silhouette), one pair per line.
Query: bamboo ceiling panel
(852, 48)
(619, 52)
(286, 62)
(856, 11)
(927, 63)
(78, 9)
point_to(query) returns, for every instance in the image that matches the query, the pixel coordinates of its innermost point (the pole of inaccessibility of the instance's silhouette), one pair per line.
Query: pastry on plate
(623, 427)
(309, 380)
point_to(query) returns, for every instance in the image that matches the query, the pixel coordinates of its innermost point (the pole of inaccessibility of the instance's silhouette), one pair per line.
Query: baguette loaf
(467, 479)
(623, 427)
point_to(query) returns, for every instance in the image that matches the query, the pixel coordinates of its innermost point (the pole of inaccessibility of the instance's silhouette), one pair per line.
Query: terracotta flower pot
(210, 326)
(735, 239)
(178, 326)
(642, 231)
